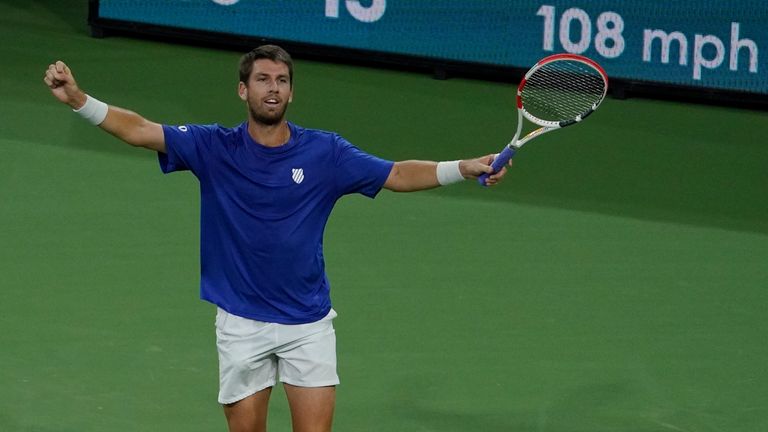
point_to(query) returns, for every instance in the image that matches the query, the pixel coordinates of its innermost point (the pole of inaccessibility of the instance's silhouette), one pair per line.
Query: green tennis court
(616, 280)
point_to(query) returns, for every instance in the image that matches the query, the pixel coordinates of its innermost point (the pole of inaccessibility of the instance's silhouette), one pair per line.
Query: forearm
(413, 175)
(126, 125)
(131, 127)
(410, 176)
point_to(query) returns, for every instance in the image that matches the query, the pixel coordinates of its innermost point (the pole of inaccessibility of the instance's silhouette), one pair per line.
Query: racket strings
(562, 90)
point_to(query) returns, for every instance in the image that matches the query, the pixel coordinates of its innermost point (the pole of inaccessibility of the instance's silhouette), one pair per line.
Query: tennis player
(267, 189)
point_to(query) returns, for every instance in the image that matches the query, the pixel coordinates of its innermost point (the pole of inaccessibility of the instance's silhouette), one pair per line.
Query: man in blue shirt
(267, 189)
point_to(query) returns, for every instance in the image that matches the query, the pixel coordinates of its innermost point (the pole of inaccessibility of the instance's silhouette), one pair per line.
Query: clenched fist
(59, 78)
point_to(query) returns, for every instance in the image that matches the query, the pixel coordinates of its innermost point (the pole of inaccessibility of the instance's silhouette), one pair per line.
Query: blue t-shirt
(263, 212)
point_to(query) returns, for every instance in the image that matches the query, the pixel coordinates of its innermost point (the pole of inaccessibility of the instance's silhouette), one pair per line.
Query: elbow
(399, 187)
(134, 140)
(146, 135)
(411, 176)
(395, 181)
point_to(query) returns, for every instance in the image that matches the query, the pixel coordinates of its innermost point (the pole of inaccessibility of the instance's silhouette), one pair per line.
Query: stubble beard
(267, 118)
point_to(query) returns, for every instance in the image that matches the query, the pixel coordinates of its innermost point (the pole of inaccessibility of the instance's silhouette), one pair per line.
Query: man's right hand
(59, 79)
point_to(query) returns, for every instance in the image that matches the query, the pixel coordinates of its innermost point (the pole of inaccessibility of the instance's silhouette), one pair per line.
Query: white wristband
(448, 173)
(94, 110)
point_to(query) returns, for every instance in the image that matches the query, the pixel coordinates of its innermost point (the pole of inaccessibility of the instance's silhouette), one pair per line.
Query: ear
(242, 91)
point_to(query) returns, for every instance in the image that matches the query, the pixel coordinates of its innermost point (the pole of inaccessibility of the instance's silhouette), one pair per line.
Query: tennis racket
(558, 91)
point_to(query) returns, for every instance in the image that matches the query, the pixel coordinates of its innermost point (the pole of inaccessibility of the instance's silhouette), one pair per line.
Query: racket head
(561, 90)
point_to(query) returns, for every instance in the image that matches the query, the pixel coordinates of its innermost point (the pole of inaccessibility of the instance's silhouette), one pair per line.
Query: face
(267, 92)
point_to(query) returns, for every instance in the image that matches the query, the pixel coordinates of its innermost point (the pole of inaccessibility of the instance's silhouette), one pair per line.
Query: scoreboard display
(696, 44)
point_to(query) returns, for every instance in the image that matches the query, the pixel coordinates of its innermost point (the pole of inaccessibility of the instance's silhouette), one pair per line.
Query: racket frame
(545, 126)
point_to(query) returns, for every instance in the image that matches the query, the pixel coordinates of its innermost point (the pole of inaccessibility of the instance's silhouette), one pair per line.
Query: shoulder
(224, 132)
(312, 135)
(318, 141)
(217, 133)
(204, 137)
(195, 130)
(209, 129)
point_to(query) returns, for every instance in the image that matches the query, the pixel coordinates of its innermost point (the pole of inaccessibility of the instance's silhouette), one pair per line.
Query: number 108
(609, 41)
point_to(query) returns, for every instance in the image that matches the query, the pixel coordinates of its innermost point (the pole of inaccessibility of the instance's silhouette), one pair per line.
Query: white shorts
(252, 354)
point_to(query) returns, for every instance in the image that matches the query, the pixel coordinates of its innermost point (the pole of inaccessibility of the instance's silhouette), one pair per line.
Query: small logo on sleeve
(298, 175)
(183, 128)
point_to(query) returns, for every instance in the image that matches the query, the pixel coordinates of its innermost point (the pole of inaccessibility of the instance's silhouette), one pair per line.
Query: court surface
(616, 280)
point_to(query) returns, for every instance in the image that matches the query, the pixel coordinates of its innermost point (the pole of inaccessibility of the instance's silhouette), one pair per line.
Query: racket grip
(498, 163)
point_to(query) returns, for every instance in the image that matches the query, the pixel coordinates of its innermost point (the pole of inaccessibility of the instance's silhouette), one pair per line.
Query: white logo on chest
(297, 175)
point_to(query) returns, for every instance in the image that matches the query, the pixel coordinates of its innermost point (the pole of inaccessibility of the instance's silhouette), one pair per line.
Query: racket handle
(498, 163)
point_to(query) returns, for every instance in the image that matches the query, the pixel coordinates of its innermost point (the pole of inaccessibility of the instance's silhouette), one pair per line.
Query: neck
(269, 135)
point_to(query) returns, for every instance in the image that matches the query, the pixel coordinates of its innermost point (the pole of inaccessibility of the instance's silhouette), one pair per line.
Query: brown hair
(270, 52)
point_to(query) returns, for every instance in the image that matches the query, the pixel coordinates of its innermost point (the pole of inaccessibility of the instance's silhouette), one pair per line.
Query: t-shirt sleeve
(358, 171)
(185, 148)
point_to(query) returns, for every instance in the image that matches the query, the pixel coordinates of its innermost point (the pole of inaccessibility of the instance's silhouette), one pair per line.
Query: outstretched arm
(126, 125)
(410, 176)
